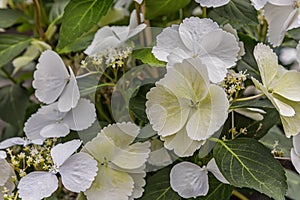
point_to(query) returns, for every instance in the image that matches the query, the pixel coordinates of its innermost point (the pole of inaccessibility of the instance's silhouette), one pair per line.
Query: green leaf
(255, 103)
(13, 104)
(217, 189)
(293, 181)
(158, 187)
(156, 8)
(248, 61)
(9, 17)
(77, 23)
(247, 163)
(275, 134)
(11, 46)
(237, 12)
(146, 56)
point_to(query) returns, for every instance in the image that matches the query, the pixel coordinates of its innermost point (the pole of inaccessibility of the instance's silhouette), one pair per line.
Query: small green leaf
(13, 104)
(237, 12)
(158, 187)
(293, 181)
(146, 56)
(217, 189)
(156, 8)
(275, 134)
(9, 17)
(255, 103)
(11, 46)
(77, 23)
(247, 163)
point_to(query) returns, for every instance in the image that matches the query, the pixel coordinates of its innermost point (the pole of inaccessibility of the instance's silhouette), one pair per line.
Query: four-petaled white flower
(191, 180)
(212, 3)
(77, 173)
(49, 122)
(202, 38)
(6, 174)
(111, 37)
(52, 81)
(282, 88)
(121, 163)
(281, 15)
(185, 109)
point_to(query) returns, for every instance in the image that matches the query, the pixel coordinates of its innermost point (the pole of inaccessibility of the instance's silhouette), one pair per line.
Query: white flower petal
(70, 95)
(296, 144)
(134, 27)
(11, 142)
(55, 130)
(250, 113)
(2, 154)
(212, 3)
(82, 116)
(37, 185)
(5, 169)
(50, 78)
(110, 184)
(279, 18)
(78, 172)
(139, 183)
(61, 152)
(213, 168)
(189, 180)
(166, 41)
(288, 86)
(211, 114)
(295, 160)
(258, 4)
(267, 63)
(284, 108)
(182, 145)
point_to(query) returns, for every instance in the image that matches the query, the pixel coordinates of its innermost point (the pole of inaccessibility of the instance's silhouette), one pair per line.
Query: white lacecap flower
(282, 88)
(52, 81)
(6, 174)
(216, 48)
(212, 3)
(185, 109)
(19, 141)
(121, 163)
(111, 37)
(281, 15)
(48, 121)
(77, 173)
(190, 180)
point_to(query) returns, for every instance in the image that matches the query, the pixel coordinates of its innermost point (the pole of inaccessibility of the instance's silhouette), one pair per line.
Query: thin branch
(38, 18)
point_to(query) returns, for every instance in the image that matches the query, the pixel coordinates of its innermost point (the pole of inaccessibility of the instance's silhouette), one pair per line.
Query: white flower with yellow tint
(121, 163)
(185, 109)
(282, 88)
(201, 38)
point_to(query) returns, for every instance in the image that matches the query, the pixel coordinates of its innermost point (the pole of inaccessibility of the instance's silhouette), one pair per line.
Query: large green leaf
(13, 104)
(156, 8)
(217, 189)
(237, 12)
(11, 46)
(158, 187)
(9, 17)
(77, 23)
(247, 163)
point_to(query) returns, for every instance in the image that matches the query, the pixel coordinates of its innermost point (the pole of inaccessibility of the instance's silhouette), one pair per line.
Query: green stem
(38, 18)
(8, 76)
(204, 12)
(249, 98)
(239, 195)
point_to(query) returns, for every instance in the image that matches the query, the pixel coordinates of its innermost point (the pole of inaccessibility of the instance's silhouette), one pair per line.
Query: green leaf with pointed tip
(158, 187)
(245, 162)
(237, 12)
(156, 8)
(78, 20)
(11, 46)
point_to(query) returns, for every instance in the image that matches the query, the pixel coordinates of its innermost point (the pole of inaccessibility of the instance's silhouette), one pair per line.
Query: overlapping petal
(212, 3)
